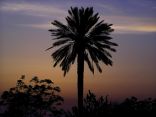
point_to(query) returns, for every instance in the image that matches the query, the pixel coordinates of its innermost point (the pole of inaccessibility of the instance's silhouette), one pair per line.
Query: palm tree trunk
(80, 71)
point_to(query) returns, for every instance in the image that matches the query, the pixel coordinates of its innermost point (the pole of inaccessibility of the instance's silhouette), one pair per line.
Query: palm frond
(66, 55)
(90, 65)
(62, 31)
(101, 29)
(61, 42)
(59, 25)
(98, 67)
(60, 53)
(99, 55)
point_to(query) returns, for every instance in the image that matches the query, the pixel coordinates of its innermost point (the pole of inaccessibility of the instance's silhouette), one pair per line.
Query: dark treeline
(40, 98)
(102, 107)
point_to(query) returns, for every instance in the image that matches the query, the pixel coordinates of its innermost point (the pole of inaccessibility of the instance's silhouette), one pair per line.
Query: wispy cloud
(43, 26)
(34, 9)
(134, 29)
(128, 20)
(129, 24)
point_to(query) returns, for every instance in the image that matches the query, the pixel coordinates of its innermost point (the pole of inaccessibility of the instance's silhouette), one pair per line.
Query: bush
(36, 99)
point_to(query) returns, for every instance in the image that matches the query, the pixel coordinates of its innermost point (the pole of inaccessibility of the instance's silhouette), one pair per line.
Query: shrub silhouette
(102, 107)
(36, 99)
(93, 107)
(133, 107)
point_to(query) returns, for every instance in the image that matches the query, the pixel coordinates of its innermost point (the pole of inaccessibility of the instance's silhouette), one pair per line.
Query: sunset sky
(24, 37)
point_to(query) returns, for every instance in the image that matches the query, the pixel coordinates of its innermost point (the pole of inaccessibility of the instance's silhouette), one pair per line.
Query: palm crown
(83, 33)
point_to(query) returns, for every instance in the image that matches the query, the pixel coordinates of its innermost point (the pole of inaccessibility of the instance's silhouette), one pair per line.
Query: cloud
(129, 24)
(128, 20)
(134, 29)
(44, 26)
(33, 9)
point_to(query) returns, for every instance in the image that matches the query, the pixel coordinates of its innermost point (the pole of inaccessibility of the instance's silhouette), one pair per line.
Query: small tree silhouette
(38, 98)
(93, 107)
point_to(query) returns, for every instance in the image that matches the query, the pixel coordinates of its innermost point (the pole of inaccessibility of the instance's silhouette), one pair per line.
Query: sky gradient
(24, 37)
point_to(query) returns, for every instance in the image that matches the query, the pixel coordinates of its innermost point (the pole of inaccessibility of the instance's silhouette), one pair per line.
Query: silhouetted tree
(92, 107)
(36, 99)
(84, 38)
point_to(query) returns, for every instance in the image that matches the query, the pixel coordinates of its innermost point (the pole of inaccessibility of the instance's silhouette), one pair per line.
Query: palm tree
(84, 38)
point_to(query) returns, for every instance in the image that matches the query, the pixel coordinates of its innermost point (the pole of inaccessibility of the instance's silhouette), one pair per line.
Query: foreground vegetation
(102, 107)
(40, 98)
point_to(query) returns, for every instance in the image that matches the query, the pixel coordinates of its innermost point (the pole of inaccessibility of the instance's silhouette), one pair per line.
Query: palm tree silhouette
(84, 38)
